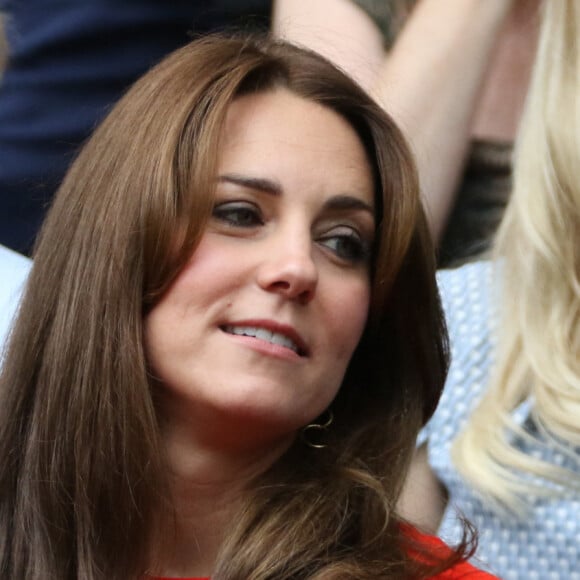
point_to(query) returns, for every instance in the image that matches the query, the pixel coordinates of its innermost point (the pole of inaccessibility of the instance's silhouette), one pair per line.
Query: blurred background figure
(454, 73)
(503, 448)
(67, 63)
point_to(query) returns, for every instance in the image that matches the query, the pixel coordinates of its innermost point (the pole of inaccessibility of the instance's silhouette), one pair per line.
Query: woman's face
(259, 327)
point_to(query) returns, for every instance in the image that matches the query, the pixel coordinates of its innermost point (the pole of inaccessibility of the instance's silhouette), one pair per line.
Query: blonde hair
(538, 263)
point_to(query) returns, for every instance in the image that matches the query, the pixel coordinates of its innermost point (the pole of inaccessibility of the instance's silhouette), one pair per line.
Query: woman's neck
(207, 485)
(193, 540)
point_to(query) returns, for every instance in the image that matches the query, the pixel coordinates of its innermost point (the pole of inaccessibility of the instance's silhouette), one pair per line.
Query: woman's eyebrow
(257, 183)
(348, 202)
(342, 202)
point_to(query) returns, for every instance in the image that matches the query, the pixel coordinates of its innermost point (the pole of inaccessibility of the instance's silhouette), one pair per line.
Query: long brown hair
(82, 482)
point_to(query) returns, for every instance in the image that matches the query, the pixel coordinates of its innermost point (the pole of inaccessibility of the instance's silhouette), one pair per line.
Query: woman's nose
(288, 268)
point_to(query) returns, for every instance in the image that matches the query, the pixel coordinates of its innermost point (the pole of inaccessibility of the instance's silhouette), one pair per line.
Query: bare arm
(423, 499)
(337, 29)
(430, 81)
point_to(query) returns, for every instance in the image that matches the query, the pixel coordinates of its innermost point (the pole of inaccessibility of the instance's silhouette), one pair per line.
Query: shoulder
(14, 270)
(467, 290)
(468, 298)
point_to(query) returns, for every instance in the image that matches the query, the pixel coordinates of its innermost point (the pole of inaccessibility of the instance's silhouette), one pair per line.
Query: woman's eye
(238, 214)
(347, 244)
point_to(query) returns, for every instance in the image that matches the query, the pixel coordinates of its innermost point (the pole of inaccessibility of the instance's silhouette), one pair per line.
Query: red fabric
(461, 571)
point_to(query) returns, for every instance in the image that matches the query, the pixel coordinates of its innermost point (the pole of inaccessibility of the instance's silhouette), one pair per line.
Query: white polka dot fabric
(545, 545)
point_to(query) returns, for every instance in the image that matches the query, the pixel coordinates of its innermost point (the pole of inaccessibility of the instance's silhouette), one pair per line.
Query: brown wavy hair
(83, 490)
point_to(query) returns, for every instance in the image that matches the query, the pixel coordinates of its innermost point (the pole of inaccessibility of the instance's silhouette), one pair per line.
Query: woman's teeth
(263, 334)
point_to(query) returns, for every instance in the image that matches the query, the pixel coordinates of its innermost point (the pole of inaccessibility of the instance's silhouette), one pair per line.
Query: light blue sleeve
(14, 270)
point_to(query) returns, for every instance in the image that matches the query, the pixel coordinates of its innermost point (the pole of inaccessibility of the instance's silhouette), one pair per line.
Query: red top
(461, 571)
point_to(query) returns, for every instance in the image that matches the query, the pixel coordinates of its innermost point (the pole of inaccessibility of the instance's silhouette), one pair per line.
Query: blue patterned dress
(545, 545)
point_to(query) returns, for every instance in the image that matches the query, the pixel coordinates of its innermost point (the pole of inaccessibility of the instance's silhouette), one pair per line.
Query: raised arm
(338, 29)
(430, 82)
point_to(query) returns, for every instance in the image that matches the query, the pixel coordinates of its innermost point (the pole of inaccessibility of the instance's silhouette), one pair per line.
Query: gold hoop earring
(317, 428)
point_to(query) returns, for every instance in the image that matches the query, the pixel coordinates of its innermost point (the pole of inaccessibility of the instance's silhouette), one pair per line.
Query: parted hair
(538, 262)
(83, 490)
